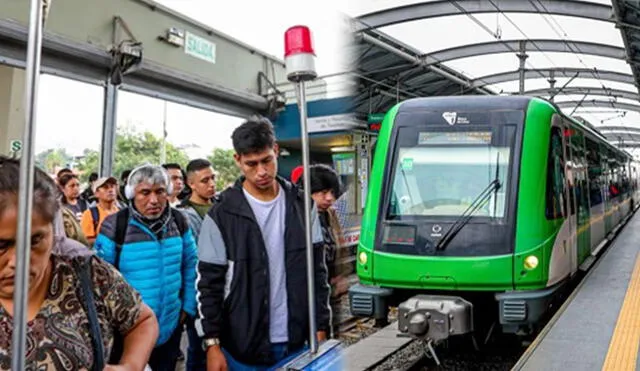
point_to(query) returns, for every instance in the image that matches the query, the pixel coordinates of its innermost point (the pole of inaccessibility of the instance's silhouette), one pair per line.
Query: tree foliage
(225, 165)
(134, 149)
(51, 159)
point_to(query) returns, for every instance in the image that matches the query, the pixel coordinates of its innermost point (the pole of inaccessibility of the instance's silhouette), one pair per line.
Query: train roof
(467, 102)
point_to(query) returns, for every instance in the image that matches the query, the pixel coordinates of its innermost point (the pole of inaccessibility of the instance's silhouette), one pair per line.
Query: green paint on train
(502, 196)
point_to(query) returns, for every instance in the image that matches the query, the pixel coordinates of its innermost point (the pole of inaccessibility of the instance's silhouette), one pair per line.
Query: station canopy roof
(584, 54)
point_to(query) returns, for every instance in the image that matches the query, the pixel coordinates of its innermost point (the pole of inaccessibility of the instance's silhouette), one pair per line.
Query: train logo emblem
(436, 229)
(450, 117)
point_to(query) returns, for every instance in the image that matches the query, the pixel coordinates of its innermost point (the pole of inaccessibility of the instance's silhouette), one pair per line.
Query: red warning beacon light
(299, 56)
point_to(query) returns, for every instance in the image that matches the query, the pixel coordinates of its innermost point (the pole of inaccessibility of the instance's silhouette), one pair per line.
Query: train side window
(595, 170)
(555, 177)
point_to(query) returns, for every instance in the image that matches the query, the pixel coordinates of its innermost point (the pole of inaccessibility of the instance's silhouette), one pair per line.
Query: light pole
(300, 64)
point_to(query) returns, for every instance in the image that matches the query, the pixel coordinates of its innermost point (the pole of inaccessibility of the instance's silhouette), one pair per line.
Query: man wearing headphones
(154, 248)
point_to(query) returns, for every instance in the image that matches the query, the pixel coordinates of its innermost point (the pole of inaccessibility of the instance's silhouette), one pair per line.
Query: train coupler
(434, 317)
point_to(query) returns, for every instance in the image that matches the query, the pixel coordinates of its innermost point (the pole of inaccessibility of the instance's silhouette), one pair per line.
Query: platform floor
(599, 329)
(373, 349)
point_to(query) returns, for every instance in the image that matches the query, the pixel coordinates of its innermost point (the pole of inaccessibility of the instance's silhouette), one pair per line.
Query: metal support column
(108, 129)
(522, 55)
(306, 177)
(25, 201)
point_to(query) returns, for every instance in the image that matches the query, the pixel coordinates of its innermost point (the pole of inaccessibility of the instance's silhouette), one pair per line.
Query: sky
(67, 106)
(426, 36)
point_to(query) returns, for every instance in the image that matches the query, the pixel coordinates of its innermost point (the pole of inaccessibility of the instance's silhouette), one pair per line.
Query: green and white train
(485, 208)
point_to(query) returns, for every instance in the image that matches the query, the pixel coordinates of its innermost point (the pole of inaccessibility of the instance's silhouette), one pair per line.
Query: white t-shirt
(270, 216)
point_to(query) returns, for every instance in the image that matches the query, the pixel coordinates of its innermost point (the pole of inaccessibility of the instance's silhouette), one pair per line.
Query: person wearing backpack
(92, 218)
(153, 247)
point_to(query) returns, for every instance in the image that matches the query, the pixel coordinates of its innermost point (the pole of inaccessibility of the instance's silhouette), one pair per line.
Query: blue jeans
(280, 351)
(196, 358)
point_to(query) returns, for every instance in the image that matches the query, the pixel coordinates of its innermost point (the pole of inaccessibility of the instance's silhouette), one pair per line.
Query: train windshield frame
(437, 169)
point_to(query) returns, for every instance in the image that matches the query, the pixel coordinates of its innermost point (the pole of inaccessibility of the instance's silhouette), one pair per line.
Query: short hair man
(252, 263)
(157, 256)
(201, 178)
(177, 180)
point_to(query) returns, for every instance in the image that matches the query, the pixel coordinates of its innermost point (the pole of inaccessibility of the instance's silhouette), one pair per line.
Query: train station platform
(598, 327)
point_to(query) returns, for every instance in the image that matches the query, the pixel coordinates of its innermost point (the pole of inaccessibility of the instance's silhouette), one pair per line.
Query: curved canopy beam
(581, 90)
(557, 72)
(511, 46)
(621, 134)
(628, 144)
(599, 103)
(616, 128)
(445, 8)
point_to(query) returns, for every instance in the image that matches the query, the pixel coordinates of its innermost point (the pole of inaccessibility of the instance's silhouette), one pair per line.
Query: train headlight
(530, 262)
(362, 258)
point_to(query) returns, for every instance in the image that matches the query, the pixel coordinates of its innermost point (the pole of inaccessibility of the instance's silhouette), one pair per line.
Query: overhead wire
(573, 47)
(564, 36)
(493, 34)
(514, 24)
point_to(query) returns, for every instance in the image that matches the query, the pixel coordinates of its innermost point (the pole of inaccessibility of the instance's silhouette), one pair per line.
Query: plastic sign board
(375, 118)
(200, 48)
(333, 123)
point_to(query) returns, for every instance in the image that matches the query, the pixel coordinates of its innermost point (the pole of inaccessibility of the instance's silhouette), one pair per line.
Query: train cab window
(555, 177)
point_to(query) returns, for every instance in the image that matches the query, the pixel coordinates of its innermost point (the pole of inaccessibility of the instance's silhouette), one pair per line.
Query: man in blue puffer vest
(153, 247)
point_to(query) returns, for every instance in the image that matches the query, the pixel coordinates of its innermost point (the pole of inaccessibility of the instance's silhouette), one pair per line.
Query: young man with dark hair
(177, 180)
(201, 178)
(253, 307)
(202, 181)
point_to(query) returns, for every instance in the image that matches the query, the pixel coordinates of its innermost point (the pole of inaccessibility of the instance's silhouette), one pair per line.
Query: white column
(11, 107)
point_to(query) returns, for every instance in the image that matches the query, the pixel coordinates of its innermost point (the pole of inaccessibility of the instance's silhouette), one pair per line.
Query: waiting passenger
(177, 182)
(64, 281)
(122, 200)
(252, 287)
(72, 227)
(325, 189)
(154, 249)
(202, 180)
(71, 199)
(87, 194)
(105, 191)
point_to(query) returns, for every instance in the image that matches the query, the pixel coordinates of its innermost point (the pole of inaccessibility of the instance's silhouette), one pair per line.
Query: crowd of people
(120, 271)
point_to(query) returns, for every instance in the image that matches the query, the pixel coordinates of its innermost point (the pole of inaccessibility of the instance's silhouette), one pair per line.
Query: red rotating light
(297, 40)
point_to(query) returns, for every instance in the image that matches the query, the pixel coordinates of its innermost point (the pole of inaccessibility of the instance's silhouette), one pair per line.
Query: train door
(569, 195)
(581, 193)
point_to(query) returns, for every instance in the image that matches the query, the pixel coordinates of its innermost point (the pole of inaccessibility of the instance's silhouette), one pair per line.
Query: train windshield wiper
(465, 217)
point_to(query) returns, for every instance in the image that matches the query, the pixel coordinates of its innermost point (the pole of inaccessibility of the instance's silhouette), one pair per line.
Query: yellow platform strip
(623, 348)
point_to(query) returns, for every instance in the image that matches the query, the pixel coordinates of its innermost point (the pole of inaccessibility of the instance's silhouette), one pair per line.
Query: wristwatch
(206, 343)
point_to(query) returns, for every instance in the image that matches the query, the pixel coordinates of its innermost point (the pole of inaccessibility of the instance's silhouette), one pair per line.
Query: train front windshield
(439, 171)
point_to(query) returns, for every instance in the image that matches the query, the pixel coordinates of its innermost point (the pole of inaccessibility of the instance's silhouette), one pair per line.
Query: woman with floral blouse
(73, 317)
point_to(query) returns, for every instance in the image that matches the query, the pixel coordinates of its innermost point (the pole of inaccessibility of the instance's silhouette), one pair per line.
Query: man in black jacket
(252, 286)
